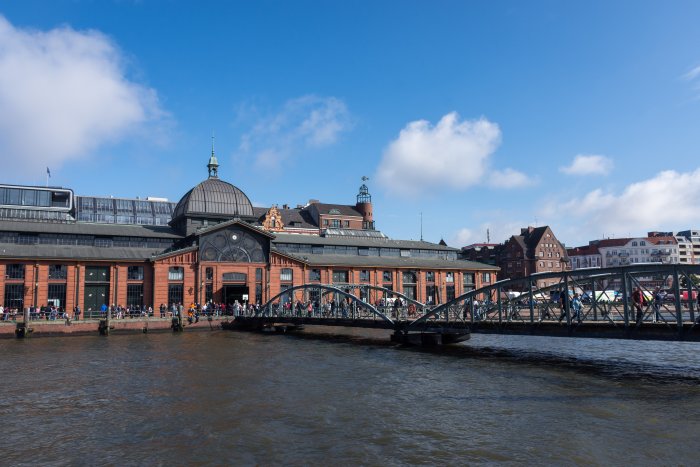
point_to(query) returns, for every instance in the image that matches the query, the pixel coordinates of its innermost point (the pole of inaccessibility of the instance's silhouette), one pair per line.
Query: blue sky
(481, 115)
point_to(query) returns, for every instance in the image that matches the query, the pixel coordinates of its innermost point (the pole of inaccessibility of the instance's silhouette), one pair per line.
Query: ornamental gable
(273, 220)
(234, 244)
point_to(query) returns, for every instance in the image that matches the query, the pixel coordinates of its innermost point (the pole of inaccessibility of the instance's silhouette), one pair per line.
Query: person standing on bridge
(563, 301)
(577, 306)
(639, 302)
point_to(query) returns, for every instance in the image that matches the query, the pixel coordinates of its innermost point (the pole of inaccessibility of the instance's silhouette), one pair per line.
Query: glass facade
(57, 295)
(14, 271)
(123, 211)
(135, 273)
(14, 297)
(314, 275)
(175, 293)
(35, 197)
(58, 271)
(134, 295)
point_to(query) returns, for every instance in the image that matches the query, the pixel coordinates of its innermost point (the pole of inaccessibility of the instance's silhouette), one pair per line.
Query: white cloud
(64, 93)
(589, 164)
(692, 74)
(305, 122)
(453, 154)
(665, 202)
(509, 178)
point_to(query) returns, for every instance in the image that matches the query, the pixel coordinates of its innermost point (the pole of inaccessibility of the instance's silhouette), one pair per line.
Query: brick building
(535, 250)
(212, 245)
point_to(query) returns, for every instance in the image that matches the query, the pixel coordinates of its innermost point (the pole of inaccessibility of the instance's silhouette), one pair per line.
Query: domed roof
(214, 197)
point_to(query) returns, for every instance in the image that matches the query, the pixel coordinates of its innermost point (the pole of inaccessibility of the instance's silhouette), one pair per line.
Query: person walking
(639, 301)
(577, 306)
(563, 301)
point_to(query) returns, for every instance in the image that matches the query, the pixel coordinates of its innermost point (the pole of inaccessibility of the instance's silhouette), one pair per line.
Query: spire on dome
(213, 164)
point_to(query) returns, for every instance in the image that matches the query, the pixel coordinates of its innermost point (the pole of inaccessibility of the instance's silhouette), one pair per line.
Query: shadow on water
(606, 367)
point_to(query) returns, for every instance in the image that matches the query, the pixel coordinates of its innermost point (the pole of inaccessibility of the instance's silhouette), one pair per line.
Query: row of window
(60, 272)
(409, 277)
(336, 223)
(177, 273)
(124, 206)
(35, 215)
(84, 240)
(35, 197)
(365, 251)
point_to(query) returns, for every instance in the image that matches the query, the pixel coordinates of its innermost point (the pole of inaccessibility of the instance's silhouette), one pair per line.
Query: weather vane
(365, 178)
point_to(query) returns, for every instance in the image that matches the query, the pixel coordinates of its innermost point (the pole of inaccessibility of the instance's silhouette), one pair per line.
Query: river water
(231, 398)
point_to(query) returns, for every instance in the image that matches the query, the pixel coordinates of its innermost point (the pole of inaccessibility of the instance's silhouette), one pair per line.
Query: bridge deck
(553, 328)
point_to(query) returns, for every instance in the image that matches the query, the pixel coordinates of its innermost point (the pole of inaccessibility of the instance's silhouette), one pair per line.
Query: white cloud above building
(63, 94)
(453, 154)
(302, 123)
(666, 201)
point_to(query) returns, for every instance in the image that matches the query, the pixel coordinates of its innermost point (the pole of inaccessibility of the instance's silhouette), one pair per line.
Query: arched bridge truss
(668, 308)
(529, 305)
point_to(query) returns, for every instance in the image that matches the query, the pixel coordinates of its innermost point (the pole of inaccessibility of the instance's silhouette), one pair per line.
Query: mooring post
(103, 327)
(22, 329)
(176, 323)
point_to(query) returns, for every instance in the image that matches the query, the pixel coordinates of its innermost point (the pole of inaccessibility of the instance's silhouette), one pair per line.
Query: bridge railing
(627, 296)
(344, 305)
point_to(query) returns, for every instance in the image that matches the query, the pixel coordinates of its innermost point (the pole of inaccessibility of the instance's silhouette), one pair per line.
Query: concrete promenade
(43, 328)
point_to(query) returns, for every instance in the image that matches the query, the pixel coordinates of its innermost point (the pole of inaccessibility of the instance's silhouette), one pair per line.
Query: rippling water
(235, 398)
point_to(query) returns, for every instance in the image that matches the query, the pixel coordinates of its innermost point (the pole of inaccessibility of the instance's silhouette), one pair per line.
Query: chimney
(285, 206)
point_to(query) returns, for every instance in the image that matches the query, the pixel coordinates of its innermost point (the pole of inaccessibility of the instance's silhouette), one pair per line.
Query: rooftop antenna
(421, 226)
(488, 236)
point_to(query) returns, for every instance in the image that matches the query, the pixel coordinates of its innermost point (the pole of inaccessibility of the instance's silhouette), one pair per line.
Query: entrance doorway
(96, 296)
(233, 292)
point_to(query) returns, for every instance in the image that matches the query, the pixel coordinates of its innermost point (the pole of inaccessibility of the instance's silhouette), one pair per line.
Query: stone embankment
(42, 328)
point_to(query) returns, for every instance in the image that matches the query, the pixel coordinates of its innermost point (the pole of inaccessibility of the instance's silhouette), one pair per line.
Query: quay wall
(56, 328)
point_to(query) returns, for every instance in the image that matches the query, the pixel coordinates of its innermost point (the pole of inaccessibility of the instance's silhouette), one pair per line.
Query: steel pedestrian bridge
(523, 306)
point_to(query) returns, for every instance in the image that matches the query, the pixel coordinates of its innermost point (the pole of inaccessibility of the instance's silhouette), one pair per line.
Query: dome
(214, 198)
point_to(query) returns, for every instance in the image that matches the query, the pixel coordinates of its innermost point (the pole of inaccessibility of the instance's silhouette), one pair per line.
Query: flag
(48, 172)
